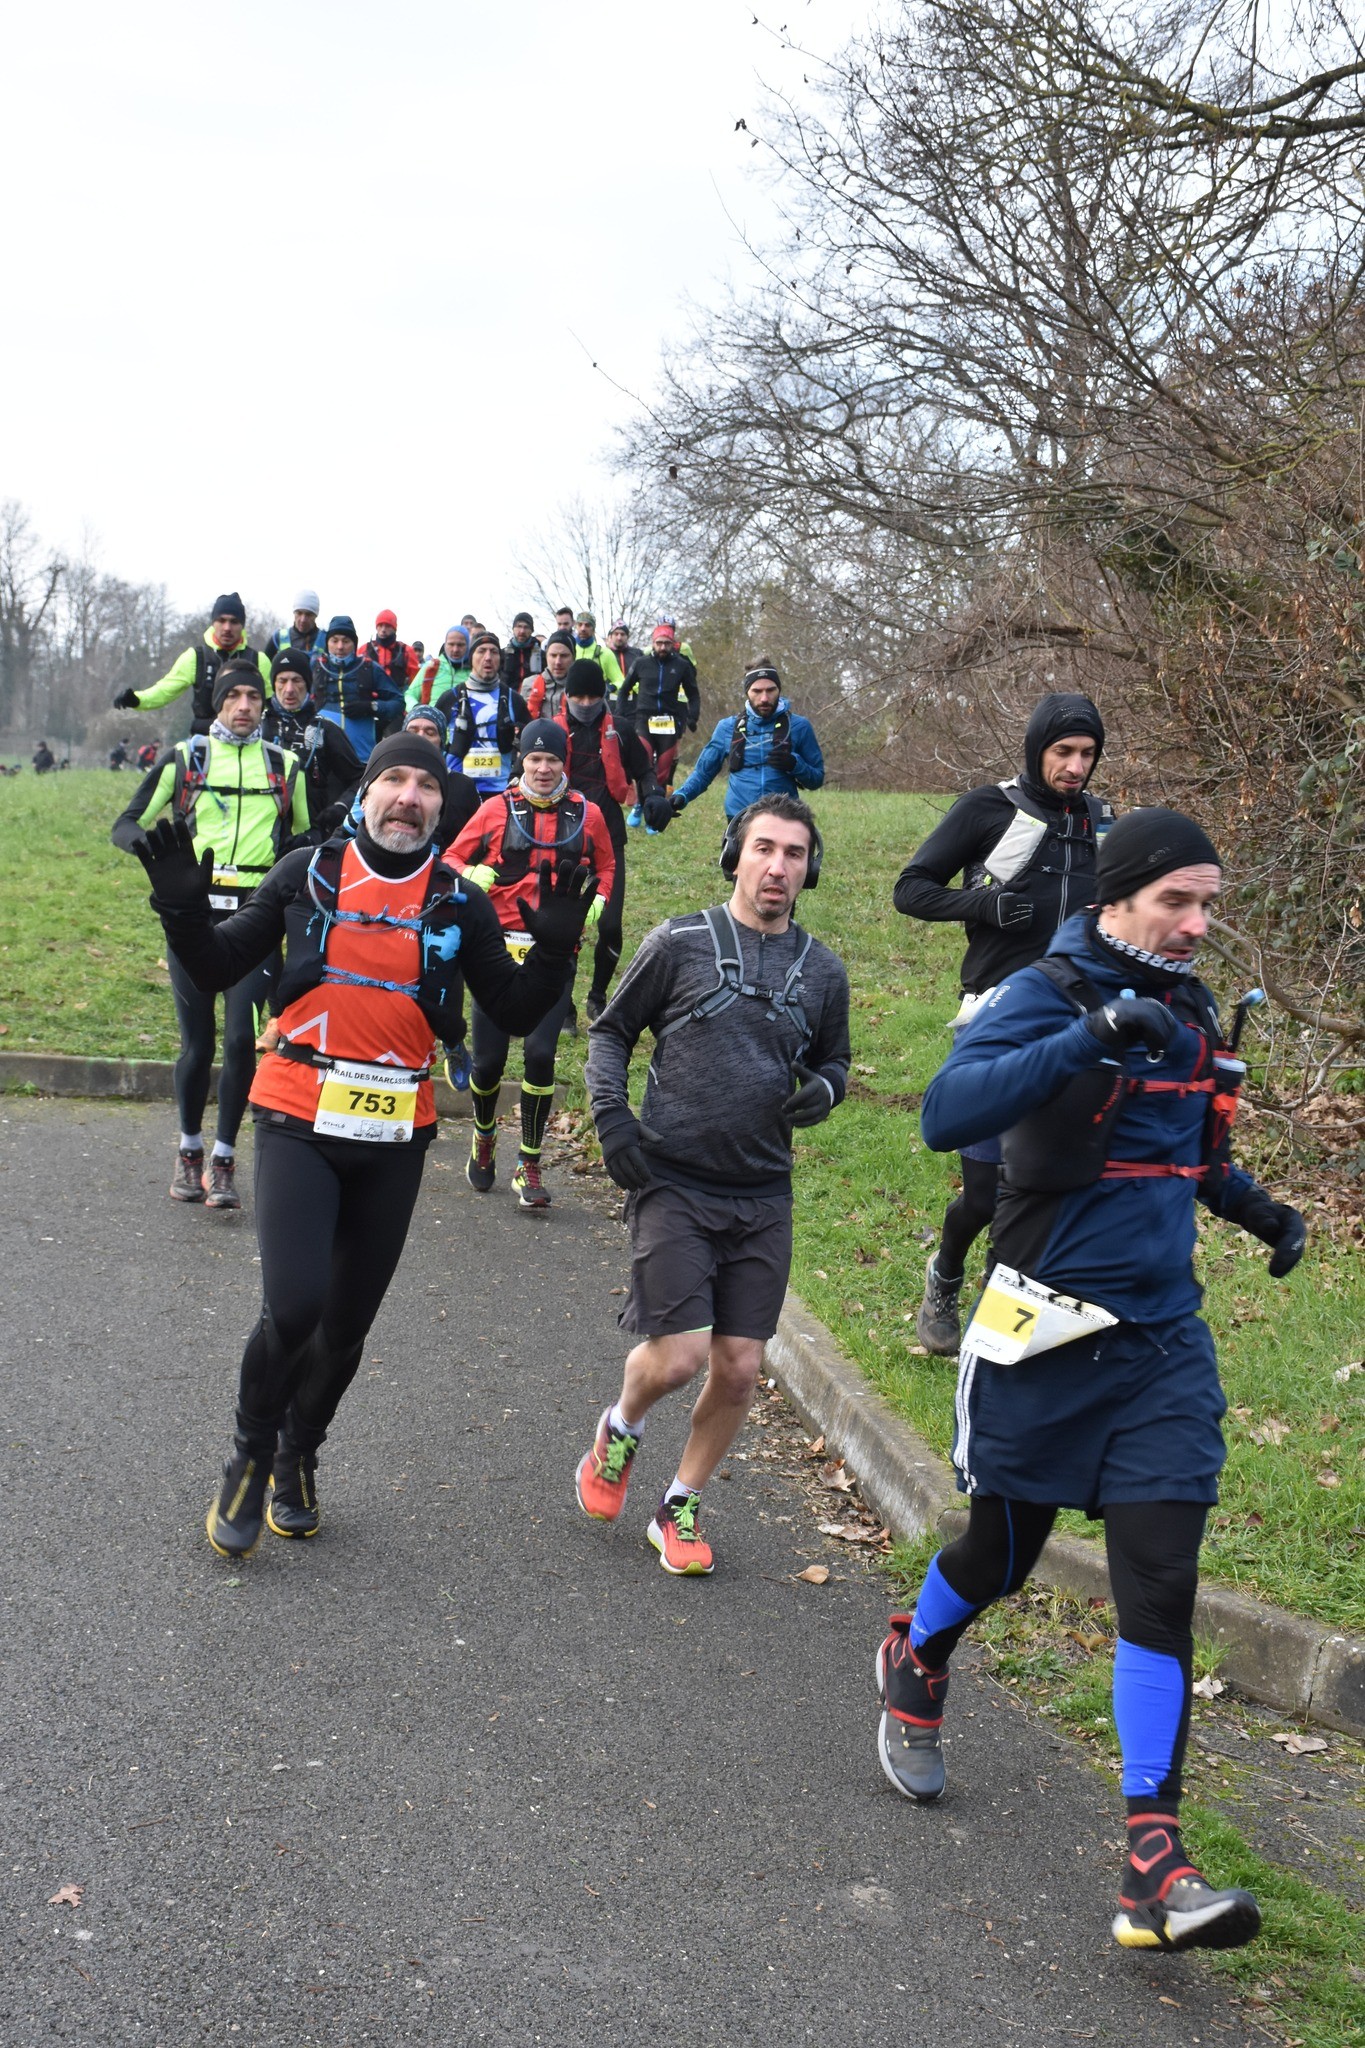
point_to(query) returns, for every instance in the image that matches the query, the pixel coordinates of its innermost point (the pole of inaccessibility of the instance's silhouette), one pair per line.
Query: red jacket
(513, 835)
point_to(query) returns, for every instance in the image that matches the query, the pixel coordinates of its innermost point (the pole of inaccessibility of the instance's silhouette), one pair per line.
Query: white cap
(307, 601)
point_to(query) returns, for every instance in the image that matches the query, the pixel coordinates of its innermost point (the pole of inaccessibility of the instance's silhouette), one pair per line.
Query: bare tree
(605, 558)
(30, 577)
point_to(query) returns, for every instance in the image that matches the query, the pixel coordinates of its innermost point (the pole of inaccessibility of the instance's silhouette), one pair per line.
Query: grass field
(81, 972)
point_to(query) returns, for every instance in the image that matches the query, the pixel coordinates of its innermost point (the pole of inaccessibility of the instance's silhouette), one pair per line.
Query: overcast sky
(290, 285)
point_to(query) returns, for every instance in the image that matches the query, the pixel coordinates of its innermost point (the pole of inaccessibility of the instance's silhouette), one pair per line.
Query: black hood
(1056, 717)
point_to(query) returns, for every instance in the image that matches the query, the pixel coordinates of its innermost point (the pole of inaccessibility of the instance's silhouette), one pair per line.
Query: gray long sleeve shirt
(715, 1089)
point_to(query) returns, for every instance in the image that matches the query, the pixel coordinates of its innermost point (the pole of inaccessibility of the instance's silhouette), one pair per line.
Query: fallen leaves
(1346, 1372)
(1208, 1687)
(814, 1575)
(69, 1895)
(1296, 1744)
(1271, 1432)
(836, 1477)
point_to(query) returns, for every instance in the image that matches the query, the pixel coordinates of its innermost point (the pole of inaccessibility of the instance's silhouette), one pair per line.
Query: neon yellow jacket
(180, 676)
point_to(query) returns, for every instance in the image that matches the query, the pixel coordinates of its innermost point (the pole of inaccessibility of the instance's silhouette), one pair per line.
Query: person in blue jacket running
(1087, 1378)
(353, 692)
(769, 750)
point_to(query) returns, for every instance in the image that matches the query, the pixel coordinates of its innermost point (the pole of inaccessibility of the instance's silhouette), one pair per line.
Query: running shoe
(458, 1066)
(528, 1187)
(220, 1183)
(910, 1733)
(635, 816)
(481, 1172)
(938, 1324)
(673, 1533)
(1166, 1903)
(292, 1509)
(187, 1182)
(604, 1472)
(236, 1512)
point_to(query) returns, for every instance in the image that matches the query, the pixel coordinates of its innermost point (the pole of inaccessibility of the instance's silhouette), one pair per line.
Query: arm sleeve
(830, 1049)
(521, 710)
(967, 834)
(173, 684)
(636, 761)
(341, 765)
(514, 998)
(602, 852)
(710, 761)
(641, 998)
(217, 955)
(388, 695)
(535, 696)
(152, 794)
(808, 762)
(1020, 1048)
(630, 683)
(611, 669)
(461, 805)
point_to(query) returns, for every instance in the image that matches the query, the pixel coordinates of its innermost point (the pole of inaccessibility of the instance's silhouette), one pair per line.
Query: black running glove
(781, 757)
(622, 1150)
(180, 879)
(658, 810)
(557, 923)
(126, 700)
(677, 803)
(1006, 911)
(1276, 1224)
(810, 1102)
(1133, 1020)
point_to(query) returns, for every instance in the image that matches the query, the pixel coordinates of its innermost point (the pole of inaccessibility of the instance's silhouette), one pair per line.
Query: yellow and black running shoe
(1166, 1903)
(236, 1513)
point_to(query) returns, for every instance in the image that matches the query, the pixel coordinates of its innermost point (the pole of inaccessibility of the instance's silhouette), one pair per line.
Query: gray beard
(396, 841)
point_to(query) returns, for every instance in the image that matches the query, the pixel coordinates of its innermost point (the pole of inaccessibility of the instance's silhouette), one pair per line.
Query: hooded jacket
(1058, 877)
(357, 695)
(758, 778)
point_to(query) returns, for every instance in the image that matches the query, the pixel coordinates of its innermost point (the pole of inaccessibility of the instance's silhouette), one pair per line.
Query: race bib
(222, 890)
(376, 1104)
(518, 944)
(661, 724)
(1018, 1318)
(483, 761)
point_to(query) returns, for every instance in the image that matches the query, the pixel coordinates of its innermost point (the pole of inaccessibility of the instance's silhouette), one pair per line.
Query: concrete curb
(59, 1073)
(1278, 1658)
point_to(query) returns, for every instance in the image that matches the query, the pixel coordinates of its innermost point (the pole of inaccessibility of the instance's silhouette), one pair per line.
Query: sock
(937, 1608)
(679, 1491)
(1150, 1691)
(536, 1104)
(616, 1419)
(222, 1150)
(946, 1279)
(191, 1144)
(485, 1105)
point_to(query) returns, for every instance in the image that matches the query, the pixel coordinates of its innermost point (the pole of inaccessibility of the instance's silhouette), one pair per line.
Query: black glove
(126, 700)
(677, 803)
(565, 898)
(359, 703)
(691, 725)
(1276, 1224)
(658, 810)
(1005, 910)
(180, 880)
(622, 1153)
(812, 1101)
(737, 750)
(1133, 1020)
(781, 757)
(505, 733)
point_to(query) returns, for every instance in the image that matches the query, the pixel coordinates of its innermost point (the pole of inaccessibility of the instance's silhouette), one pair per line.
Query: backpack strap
(731, 985)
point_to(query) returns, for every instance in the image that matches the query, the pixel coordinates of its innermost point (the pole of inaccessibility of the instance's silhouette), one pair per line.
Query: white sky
(289, 283)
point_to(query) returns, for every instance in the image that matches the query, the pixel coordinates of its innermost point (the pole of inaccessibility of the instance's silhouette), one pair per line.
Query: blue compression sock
(1149, 1699)
(938, 1607)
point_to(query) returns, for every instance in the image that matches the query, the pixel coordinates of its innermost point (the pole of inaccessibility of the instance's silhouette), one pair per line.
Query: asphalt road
(468, 1767)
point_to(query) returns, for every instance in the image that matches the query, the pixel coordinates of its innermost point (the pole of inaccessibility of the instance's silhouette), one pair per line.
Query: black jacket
(519, 664)
(331, 766)
(652, 689)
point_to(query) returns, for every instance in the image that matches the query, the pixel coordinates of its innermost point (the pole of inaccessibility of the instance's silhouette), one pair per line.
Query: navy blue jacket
(1127, 1245)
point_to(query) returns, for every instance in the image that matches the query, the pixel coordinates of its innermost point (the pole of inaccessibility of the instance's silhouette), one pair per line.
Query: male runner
(484, 717)
(239, 796)
(1087, 1378)
(197, 667)
(380, 940)
(660, 698)
(749, 1016)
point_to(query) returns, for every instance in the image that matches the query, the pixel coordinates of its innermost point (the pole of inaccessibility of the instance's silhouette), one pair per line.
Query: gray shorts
(706, 1262)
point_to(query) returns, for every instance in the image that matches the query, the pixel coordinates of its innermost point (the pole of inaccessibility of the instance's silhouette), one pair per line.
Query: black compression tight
(194, 1012)
(607, 951)
(966, 1217)
(489, 1047)
(332, 1216)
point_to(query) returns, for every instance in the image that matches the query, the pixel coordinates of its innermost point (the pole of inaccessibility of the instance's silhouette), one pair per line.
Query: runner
(443, 671)
(484, 718)
(749, 1017)
(545, 693)
(331, 767)
(400, 663)
(344, 1109)
(304, 635)
(352, 691)
(660, 698)
(1087, 1378)
(521, 658)
(766, 749)
(1026, 852)
(603, 761)
(501, 846)
(238, 797)
(462, 798)
(587, 647)
(196, 668)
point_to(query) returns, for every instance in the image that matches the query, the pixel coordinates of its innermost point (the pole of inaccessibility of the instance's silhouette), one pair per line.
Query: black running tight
(966, 1216)
(607, 951)
(489, 1046)
(194, 1012)
(332, 1217)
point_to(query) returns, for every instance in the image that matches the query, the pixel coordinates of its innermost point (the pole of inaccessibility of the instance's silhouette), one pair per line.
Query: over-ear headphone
(730, 847)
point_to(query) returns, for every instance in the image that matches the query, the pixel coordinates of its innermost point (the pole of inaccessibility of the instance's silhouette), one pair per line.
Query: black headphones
(730, 848)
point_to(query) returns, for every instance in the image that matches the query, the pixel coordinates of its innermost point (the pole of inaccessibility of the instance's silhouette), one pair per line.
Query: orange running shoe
(673, 1532)
(603, 1475)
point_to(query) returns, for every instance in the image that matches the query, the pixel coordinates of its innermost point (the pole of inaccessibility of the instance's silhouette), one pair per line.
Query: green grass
(79, 973)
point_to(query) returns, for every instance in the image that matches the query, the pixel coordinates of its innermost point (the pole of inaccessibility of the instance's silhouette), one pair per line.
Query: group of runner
(1090, 1091)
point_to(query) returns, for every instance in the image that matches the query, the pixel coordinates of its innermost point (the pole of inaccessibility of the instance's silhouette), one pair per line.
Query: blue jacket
(357, 695)
(1127, 1245)
(756, 779)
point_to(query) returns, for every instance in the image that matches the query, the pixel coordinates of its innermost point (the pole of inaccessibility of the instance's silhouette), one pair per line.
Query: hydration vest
(613, 778)
(396, 664)
(519, 845)
(424, 952)
(731, 985)
(1021, 845)
(207, 662)
(503, 720)
(191, 782)
(739, 738)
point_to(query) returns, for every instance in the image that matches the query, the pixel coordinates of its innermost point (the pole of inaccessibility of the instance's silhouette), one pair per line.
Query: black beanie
(229, 606)
(585, 679)
(559, 638)
(343, 624)
(231, 675)
(1145, 845)
(546, 735)
(294, 660)
(406, 750)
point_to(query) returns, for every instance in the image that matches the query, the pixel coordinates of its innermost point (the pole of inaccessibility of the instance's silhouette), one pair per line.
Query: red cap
(386, 619)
